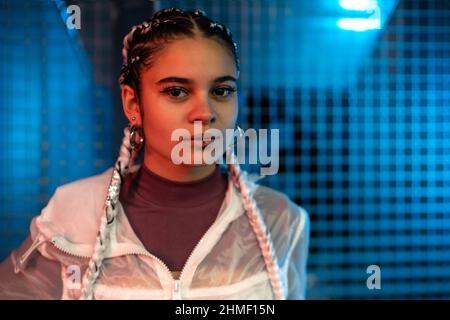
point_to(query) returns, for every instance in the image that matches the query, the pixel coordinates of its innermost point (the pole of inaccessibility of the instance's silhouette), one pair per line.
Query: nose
(202, 111)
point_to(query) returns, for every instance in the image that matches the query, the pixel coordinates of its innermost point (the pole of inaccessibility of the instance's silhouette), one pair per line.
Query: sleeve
(40, 278)
(297, 266)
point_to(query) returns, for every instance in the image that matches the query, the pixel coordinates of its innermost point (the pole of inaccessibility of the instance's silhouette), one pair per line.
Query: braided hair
(142, 44)
(139, 48)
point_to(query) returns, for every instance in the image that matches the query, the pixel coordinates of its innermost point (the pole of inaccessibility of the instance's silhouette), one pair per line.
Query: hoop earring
(238, 134)
(136, 138)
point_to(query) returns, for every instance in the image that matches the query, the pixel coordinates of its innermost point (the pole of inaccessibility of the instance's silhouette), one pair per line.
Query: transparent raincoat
(225, 264)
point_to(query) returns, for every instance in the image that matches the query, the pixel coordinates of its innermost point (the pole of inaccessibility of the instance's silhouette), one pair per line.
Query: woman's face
(188, 81)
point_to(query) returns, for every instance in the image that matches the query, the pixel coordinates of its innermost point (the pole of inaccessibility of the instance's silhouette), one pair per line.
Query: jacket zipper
(176, 283)
(23, 258)
(59, 243)
(67, 247)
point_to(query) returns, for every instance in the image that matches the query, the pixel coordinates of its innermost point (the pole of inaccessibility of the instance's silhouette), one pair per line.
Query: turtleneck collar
(147, 188)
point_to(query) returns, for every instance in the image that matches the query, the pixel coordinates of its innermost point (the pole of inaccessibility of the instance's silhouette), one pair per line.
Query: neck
(180, 173)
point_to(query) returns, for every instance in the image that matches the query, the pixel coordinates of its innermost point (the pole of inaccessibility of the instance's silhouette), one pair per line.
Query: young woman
(166, 230)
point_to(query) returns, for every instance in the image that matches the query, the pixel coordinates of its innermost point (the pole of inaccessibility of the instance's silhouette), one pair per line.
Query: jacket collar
(124, 240)
(62, 224)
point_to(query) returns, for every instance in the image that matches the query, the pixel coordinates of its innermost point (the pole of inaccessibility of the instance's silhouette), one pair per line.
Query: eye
(174, 92)
(224, 92)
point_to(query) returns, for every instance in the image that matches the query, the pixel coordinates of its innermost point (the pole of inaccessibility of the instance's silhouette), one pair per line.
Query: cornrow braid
(167, 12)
(144, 39)
(134, 54)
(122, 165)
(239, 178)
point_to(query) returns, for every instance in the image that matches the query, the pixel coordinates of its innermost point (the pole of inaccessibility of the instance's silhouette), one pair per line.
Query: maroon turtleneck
(170, 217)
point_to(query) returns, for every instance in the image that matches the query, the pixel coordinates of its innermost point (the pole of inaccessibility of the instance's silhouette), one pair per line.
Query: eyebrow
(190, 81)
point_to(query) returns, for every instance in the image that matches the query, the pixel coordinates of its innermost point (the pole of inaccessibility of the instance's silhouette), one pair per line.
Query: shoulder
(286, 221)
(276, 205)
(81, 193)
(72, 206)
(85, 185)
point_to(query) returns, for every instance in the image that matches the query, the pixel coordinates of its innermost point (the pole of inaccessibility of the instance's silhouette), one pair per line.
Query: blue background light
(363, 119)
(358, 24)
(359, 5)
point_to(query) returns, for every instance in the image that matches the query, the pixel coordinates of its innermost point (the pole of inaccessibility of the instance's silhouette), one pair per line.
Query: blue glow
(359, 24)
(50, 81)
(359, 5)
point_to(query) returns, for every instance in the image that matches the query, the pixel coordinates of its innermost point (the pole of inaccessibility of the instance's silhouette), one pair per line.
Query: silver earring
(136, 138)
(240, 132)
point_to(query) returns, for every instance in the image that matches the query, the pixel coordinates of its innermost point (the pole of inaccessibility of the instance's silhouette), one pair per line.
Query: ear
(130, 103)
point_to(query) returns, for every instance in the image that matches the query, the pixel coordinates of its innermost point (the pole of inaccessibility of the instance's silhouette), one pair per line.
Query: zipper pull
(176, 290)
(20, 263)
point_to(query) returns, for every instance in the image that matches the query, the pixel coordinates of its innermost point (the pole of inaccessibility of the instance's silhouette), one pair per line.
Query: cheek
(158, 111)
(160, 120)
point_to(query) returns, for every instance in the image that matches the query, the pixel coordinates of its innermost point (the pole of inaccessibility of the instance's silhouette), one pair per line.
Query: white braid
(239, 178)
(123, 163)
(128, 39)
(126, 44)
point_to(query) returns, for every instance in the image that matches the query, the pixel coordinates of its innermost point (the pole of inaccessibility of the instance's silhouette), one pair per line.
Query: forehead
(194, 58)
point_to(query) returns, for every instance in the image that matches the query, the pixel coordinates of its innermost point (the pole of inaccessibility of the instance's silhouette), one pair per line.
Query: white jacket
(227, 262)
